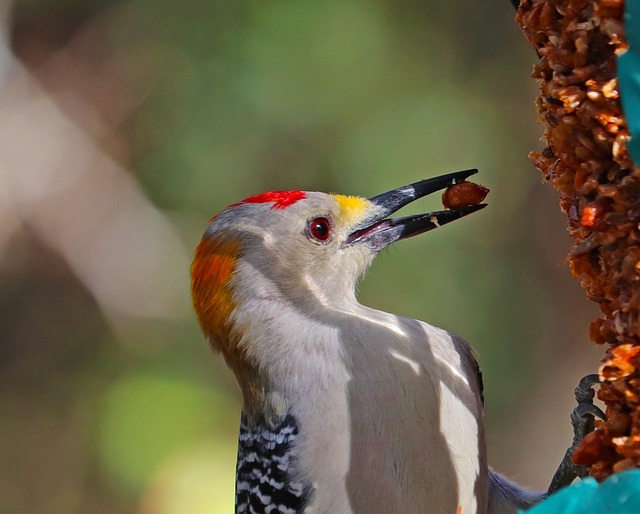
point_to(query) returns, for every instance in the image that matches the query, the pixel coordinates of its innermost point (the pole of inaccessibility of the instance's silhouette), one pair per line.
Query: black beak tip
(473, 208)
(461, 212)
(393, 200)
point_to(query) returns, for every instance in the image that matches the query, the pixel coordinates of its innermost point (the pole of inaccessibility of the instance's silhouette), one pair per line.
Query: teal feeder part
(629, 76)
(619, 494)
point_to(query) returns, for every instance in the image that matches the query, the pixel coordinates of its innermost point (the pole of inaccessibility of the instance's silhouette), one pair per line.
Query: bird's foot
(582, 420)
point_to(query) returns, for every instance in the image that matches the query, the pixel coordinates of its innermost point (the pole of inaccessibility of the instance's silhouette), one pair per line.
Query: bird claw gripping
(582, 420)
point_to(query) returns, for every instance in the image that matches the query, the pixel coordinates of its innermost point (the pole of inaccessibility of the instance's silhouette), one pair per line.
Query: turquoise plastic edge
(619, 494)
(629, 76)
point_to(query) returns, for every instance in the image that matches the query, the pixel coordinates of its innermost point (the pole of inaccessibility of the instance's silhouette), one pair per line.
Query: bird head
(300, 248)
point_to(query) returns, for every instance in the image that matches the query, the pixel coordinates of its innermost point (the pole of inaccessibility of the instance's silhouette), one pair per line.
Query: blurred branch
(56, 180)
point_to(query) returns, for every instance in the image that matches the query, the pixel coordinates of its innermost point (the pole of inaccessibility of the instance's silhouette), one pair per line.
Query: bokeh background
(126, 124)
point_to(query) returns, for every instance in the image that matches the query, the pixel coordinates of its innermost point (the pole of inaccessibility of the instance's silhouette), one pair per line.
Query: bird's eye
(319, 229)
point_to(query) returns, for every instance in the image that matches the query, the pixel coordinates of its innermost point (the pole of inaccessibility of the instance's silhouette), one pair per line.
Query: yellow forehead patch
(352, 208)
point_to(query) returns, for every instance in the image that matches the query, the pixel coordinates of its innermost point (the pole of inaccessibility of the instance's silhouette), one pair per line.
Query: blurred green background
(125, 125)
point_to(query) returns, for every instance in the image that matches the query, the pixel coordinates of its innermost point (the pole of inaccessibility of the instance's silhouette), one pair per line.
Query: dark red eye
(319, 228)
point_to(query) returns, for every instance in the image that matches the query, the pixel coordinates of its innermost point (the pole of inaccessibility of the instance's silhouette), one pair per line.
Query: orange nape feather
(211, 292)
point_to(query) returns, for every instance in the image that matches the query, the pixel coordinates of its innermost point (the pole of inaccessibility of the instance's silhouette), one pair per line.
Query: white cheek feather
(316, 290)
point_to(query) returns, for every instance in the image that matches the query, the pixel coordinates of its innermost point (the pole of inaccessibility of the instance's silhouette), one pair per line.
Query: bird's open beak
(378, 231)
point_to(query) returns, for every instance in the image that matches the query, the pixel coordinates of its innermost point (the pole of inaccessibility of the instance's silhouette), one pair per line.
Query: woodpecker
(346, 409)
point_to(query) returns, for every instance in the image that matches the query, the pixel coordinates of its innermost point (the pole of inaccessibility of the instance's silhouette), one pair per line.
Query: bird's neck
(304, 356)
